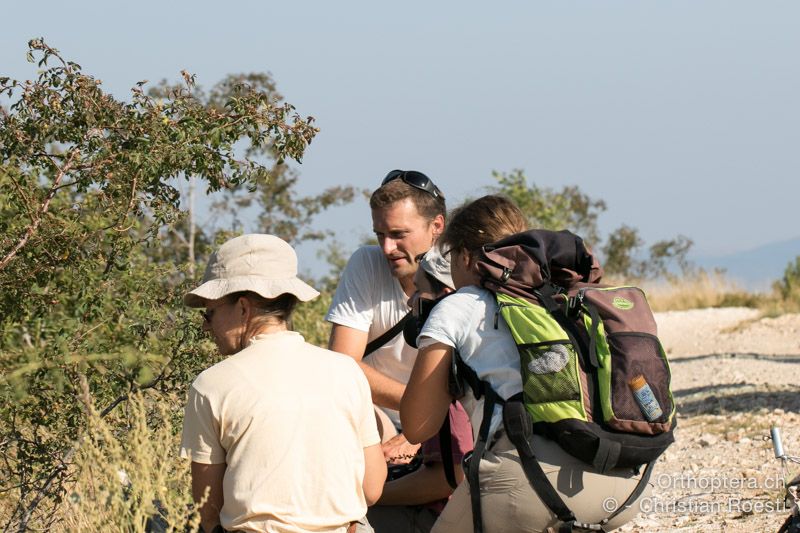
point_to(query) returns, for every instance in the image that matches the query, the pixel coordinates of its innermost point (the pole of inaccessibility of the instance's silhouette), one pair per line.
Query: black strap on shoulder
(446, 449)
(465, 374)
(459, 375)
(462, 373)
(519, 429)
(387, 335)
(490, 399)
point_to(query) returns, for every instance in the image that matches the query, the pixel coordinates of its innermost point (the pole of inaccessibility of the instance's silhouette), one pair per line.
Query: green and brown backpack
(595, 377)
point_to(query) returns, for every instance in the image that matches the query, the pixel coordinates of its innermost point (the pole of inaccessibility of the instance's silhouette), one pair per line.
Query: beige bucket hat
(264, 264)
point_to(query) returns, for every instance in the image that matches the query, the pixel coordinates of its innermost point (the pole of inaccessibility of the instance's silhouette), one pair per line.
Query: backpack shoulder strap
(490, 399)
(519, 430)
(387, 335)
(462, 373)
(446, 450)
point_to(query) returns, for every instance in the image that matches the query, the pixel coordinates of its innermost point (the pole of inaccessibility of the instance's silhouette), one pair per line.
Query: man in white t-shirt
(408, 213)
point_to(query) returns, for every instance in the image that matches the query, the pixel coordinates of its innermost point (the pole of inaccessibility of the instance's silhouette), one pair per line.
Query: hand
(398, 450)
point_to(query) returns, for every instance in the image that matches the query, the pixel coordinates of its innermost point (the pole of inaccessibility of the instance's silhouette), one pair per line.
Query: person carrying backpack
(467, 325)
(411, 501)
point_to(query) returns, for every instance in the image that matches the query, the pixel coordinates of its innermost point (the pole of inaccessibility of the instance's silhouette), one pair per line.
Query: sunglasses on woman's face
(208, 314)
(416, 179)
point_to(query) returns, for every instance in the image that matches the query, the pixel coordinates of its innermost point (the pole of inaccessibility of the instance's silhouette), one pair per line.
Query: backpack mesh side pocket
(632, 355)
(549, 372)
(551, 381)
(551, 378)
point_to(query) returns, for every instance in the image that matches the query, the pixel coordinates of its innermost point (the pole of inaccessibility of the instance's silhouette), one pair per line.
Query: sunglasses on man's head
(416, 179)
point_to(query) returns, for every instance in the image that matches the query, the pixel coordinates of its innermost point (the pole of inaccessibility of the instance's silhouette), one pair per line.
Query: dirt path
(734, 375)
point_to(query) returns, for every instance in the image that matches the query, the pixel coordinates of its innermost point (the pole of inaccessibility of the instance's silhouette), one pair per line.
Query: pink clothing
(420, 518)
(461, 444)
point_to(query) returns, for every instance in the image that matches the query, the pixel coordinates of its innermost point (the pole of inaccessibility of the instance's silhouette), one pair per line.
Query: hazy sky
(682, 115)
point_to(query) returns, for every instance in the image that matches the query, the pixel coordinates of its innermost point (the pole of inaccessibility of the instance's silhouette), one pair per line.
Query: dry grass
(703, 290)
(773, 307)
(8, 504)
(700, 291)
(128, 472)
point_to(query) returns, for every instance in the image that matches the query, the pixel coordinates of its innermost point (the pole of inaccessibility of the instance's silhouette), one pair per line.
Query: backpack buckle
(573, 307)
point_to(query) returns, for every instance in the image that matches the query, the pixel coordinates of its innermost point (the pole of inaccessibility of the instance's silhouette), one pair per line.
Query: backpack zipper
(575, 303)
(500, 306)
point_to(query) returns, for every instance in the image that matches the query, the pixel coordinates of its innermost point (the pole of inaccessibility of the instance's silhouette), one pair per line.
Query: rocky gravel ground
(734, 376)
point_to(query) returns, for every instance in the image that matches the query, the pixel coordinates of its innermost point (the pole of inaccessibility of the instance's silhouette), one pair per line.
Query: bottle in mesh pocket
(645, 398)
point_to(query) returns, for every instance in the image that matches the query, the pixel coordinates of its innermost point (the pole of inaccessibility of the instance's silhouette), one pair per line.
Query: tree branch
(26, 515)
(42, 210)
(22, 194)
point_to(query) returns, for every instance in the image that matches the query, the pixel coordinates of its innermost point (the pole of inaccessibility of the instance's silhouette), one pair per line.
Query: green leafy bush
(90, 284)
(789, 285)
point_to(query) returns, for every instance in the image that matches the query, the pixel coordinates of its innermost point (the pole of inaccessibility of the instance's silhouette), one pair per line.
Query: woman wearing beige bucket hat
(281, 433)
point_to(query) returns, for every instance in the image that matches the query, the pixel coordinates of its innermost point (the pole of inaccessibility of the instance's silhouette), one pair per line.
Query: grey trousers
(510, 505)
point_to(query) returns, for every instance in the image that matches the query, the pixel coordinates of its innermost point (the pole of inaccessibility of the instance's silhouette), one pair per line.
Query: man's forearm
(386, 391)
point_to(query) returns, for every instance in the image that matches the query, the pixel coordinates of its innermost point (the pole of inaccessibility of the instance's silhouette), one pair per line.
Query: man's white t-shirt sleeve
(352, 304)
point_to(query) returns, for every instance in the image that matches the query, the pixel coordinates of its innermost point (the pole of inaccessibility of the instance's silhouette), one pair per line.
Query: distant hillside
(755, 269)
